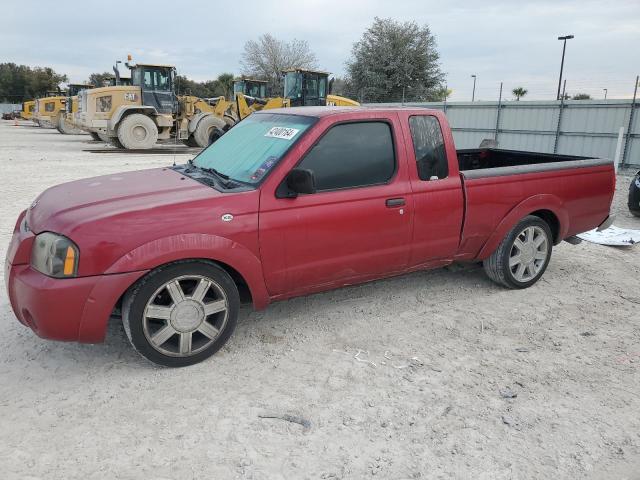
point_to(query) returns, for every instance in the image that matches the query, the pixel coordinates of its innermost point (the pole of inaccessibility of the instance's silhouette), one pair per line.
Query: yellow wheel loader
(301, 88)
(45, 113)
(66, 122)
(136, 116)
(27, 109)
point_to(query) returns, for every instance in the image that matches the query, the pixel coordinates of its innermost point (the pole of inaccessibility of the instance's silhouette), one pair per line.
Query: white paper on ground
(613, 236)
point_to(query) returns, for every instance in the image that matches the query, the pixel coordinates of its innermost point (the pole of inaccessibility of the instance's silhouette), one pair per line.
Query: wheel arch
(548, 207)
(237, 260)
(125, 110)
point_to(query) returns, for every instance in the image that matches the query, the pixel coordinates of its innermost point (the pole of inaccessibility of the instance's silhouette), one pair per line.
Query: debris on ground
(612, 236)
(306, 424)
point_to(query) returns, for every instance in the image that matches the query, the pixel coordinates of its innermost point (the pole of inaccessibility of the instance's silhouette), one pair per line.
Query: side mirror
(300, 180)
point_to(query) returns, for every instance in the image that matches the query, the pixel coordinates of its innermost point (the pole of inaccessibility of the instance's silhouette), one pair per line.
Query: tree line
(21, 82)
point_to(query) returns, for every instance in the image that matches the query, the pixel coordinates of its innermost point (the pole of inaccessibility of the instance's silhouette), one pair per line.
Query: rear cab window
(429, 147)
(350, 155)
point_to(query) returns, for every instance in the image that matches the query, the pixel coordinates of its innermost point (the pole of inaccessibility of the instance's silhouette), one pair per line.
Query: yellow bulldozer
(136, 116)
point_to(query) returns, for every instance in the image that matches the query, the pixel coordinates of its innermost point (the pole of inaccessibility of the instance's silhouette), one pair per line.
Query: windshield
(249, 150)
(293, 85)
(238, 87)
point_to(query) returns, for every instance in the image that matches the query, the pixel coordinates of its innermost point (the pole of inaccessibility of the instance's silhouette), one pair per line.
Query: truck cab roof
(319, 112)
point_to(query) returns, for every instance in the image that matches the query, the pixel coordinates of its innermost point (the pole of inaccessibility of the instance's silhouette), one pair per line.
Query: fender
(122, 109)
(197, 245)
(193, 123)
(537, 202)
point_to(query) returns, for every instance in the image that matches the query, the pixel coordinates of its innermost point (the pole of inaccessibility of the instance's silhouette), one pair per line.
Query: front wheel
(182, 313)
(523, 255)
(137, 132)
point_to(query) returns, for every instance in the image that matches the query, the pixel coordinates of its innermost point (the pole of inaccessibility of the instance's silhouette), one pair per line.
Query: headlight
(54, 255)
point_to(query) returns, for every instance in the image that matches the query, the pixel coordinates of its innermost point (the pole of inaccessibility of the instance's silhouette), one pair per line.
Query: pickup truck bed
(485, 159)
(507, 178)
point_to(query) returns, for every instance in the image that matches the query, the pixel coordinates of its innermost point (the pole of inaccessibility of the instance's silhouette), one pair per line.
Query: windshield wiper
(222, 178)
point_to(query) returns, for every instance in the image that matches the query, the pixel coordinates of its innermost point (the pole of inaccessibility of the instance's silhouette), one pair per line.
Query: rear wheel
(523, 255)
(205, 128)
(182, 313)
(137, 132)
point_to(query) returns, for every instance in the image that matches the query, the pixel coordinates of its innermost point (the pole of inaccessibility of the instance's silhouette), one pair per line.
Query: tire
(634, 196)
(216, 133)
(67, 129)
(116, 142)
(60, 125)
(137, 132)
(207, 125)
(95, 136)
(190, 142)
(104, 137)
(179, 295)
(530, 242)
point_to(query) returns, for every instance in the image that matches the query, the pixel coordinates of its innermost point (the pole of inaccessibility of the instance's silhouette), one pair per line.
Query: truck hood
(109, 216)
(63, 207)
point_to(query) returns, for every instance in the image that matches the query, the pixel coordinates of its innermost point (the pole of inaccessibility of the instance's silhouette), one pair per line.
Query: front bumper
(72, 309)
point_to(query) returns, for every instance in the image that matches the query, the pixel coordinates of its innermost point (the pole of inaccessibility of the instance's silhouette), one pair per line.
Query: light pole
(605, 93)
(564, 47)
(473, 95)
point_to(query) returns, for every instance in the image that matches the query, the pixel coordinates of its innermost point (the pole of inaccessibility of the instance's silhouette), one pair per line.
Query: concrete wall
(9, 107)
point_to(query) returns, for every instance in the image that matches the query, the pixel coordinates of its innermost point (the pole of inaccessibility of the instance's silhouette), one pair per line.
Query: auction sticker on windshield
(282, 132)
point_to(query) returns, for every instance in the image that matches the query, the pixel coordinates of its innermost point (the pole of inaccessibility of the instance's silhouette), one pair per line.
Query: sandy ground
(426, 397)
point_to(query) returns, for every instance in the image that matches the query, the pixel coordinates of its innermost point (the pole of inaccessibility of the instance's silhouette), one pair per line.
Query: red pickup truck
(288, 202)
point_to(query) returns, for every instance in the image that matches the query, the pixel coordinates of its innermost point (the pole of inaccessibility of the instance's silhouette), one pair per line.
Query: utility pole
(564, 48)
(473, 95)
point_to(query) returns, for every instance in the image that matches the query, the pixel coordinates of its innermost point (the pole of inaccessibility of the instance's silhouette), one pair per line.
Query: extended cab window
(352, 155)
(428, 145)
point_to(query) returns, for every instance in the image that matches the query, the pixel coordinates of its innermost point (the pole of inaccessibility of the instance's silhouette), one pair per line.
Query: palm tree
(519, 92)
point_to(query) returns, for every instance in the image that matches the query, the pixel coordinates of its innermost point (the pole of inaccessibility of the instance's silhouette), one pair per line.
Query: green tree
(21, 82)
(221, 86)
(224, 85)
(393, 60)
(100, 79)
(581, 96)
(441, 94)
(519, 92)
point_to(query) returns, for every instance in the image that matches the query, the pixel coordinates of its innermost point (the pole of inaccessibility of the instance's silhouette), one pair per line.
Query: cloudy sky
(511, 41)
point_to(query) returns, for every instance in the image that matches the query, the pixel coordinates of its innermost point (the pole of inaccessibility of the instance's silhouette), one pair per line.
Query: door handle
(395, 202)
